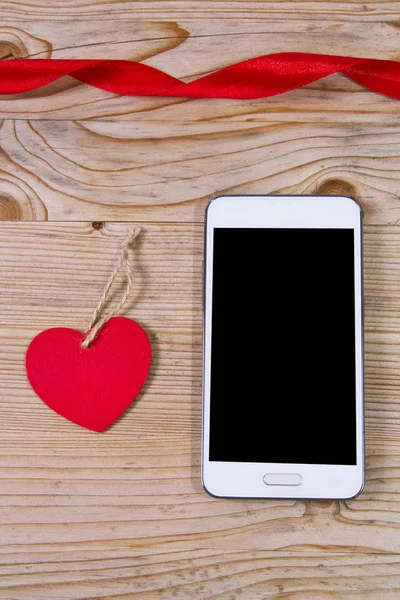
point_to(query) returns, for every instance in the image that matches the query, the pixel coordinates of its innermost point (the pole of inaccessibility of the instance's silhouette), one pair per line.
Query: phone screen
(283, 373)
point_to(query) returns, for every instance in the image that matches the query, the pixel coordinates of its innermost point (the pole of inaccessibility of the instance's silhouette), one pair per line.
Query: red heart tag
(91, 387)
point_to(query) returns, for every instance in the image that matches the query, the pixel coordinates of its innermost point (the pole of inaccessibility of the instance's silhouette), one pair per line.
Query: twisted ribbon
(258, 77)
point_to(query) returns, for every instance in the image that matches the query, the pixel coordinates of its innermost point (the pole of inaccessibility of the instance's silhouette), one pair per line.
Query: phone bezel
(228, 479)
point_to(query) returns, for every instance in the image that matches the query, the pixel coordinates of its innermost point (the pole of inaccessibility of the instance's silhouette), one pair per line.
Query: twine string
(124, 261)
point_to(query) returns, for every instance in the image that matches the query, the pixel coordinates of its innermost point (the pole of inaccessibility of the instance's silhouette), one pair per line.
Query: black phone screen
(283, 387)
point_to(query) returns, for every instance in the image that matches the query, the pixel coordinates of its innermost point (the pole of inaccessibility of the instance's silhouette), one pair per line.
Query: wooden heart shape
(91, 387)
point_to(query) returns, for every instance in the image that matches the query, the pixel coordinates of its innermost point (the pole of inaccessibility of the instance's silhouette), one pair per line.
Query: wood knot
(9, 208)
(337, 187)
(17, 43)
(97, 225)
(6, 51)
(19, 202)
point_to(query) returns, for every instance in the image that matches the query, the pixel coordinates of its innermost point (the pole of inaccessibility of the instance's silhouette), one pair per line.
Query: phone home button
(282, 479)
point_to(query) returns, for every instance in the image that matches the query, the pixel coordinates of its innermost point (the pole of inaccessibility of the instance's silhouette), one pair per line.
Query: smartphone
(283, 348)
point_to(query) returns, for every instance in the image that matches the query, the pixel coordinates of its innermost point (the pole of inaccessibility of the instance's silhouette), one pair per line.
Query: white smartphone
(283, 348)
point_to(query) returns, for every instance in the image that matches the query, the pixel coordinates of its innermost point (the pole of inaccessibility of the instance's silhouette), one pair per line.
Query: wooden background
(122, 515)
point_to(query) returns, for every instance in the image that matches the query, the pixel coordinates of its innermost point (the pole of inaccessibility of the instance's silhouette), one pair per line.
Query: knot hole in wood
(17, 43)
(10, 209)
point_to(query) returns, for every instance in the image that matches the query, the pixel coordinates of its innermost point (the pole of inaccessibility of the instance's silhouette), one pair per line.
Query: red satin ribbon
(255, 78)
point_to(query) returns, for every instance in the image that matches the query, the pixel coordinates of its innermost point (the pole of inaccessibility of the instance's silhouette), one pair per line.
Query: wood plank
(64, 487)
(123, 571)
(202, 10)
(190, 39)
(122, 171)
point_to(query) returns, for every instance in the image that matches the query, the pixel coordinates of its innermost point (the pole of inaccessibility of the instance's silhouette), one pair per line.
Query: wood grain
(123, 514)
(69, 151)
(188, 39)
(121, 572)
(109, 170)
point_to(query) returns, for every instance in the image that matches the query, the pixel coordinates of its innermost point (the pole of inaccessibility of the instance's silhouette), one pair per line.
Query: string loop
(124, 261)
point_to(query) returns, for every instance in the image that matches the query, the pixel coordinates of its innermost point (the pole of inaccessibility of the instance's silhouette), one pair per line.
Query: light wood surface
(122, 515)
(126, 508)
(72, 151)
